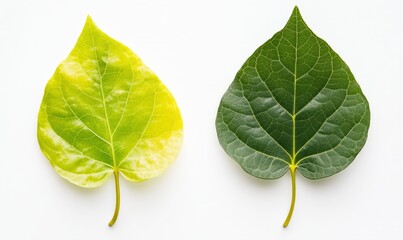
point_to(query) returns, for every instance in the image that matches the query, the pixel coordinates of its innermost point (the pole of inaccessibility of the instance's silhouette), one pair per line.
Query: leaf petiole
(117, 206)
(292, 171)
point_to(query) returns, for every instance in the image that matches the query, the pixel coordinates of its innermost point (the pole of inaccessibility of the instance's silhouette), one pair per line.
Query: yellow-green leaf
(104, 112)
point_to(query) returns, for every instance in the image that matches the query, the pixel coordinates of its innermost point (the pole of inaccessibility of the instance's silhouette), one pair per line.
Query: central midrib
(295, 94)
(104, 104)
(108, 126)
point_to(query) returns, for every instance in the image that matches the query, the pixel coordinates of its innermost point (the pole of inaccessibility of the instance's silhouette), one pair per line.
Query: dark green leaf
(294, 105)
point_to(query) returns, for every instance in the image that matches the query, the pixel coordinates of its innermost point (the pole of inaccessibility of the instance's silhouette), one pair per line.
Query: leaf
(104, 112)
(294, 105)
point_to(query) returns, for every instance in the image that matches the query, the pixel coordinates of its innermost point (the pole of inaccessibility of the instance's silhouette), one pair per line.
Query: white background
(196, 47)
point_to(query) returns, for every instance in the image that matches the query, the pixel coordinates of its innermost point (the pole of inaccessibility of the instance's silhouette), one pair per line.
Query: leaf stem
(292, 171)
(117, 206)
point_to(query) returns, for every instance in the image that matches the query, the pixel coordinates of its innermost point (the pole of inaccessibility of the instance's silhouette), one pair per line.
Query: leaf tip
(89, 21)
(295, 15)
(295, 11)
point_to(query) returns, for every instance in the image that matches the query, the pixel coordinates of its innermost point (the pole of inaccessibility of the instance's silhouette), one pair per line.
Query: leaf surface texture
(294, 105)
(104, 111)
